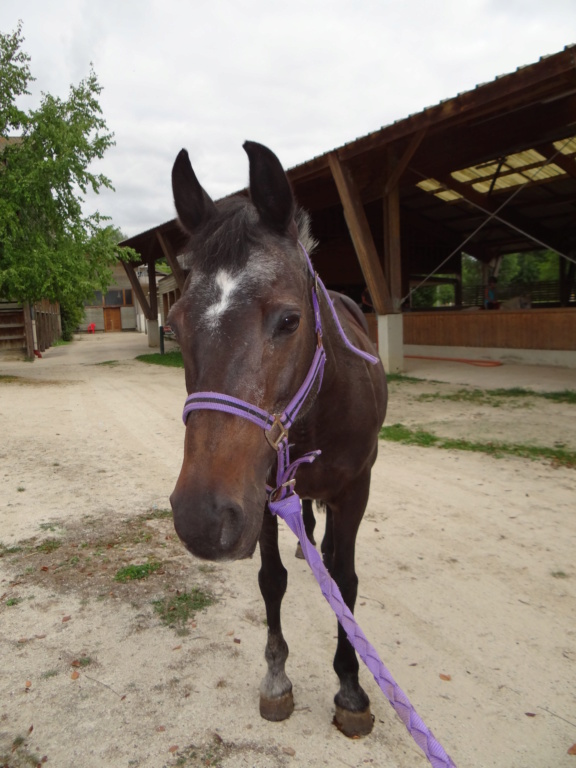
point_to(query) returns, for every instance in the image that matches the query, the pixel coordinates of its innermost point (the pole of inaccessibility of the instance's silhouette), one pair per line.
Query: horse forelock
(234, 258)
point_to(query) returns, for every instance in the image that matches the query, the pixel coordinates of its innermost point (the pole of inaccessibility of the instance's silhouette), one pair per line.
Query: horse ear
(193, 204)
(269, 188)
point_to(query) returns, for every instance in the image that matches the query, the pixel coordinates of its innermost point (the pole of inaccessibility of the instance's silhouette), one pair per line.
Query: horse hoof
(353, 724)
(299, 554)
(277, 709)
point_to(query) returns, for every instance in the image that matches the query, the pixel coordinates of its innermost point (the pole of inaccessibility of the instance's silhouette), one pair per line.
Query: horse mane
(227, 238)
(304, 224)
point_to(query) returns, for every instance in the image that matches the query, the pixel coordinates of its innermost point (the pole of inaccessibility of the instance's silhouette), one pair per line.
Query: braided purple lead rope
(289, 509)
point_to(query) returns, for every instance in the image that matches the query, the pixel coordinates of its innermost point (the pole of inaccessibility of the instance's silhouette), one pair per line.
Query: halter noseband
(277, 425)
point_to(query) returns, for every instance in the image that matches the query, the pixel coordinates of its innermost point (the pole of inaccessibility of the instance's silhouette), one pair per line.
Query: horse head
(245, 325)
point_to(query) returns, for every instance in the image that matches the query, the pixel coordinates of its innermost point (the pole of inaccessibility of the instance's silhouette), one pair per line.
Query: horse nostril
(210, 528)
(230, 528)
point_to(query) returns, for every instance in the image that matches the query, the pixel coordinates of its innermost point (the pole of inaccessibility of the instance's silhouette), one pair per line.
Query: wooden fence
(17, 328)
(553, 329)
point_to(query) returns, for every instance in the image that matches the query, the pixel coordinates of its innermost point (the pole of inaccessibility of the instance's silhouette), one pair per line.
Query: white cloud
(302, 77)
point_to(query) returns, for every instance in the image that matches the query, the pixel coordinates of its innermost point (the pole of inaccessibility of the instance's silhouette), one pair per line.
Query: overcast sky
(302, 77)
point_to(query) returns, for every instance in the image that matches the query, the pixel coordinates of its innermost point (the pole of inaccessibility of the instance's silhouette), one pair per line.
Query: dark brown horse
(246, 327)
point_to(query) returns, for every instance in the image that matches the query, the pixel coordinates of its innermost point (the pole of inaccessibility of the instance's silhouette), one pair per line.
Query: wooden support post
(28, 330)
(152, 290)
(361, 236)
(137, 288)
(153, 326)
(177, 271)
(392, 250)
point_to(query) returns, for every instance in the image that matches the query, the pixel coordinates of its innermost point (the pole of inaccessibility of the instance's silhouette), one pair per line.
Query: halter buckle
(275, 442)
(277, 492)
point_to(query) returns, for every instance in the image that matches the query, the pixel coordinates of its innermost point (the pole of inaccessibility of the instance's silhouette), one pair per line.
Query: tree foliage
(50, 249)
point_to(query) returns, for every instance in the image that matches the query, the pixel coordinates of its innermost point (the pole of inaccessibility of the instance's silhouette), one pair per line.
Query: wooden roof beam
(397, 171)
(361, 236)
(137, 288)
(168, 251)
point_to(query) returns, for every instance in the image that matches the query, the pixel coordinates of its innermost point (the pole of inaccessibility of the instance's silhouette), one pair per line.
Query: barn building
(489, 172)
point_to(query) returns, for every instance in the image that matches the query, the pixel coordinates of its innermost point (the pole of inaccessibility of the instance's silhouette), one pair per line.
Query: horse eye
(289, 323)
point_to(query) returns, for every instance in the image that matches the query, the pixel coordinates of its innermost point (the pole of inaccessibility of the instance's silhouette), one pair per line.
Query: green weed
(4, 550)
(134, 572)
(401, 434)
(50, 545)
(401, 378)
(157, 514)
(176, 611)
(494, 397)
(172, 359)
(13, 601)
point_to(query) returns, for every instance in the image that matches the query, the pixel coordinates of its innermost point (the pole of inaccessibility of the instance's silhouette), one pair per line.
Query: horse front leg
(276, 701)
(352, 716)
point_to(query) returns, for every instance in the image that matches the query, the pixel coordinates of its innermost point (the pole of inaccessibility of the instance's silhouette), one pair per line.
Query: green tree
(50, 249)
(529, 267)
(471, 270)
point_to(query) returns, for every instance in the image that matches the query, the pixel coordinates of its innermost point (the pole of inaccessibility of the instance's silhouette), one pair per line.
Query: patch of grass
(401, 377)
(157, 514)
(206, 755)
(4, 379)
(49, 526)
(172, 359)
(4, 550)
(401, 434)
(48, 674)
(134, 572)
(564, 396)
(13, 601)
(494, 397)
(559, 575)
(398, 433)
(50, 545)
(111, 363)
(176, 611)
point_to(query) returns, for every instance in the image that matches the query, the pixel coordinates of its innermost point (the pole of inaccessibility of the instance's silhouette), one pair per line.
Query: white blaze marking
(228, 284)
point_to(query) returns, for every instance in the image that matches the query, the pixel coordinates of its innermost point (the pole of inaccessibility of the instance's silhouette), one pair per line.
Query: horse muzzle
(215, 527)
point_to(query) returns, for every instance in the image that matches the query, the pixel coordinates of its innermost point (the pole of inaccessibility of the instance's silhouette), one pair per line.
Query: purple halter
(276, 425)
(285, 502)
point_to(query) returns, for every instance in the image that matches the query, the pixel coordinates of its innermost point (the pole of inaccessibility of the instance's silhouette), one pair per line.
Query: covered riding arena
(489, 172)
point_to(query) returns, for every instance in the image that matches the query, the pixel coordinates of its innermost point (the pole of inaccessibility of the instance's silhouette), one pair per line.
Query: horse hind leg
(309, 525)
(276, 700)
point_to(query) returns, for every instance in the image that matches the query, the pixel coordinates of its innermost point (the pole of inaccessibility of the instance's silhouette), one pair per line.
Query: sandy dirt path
(466, 568)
